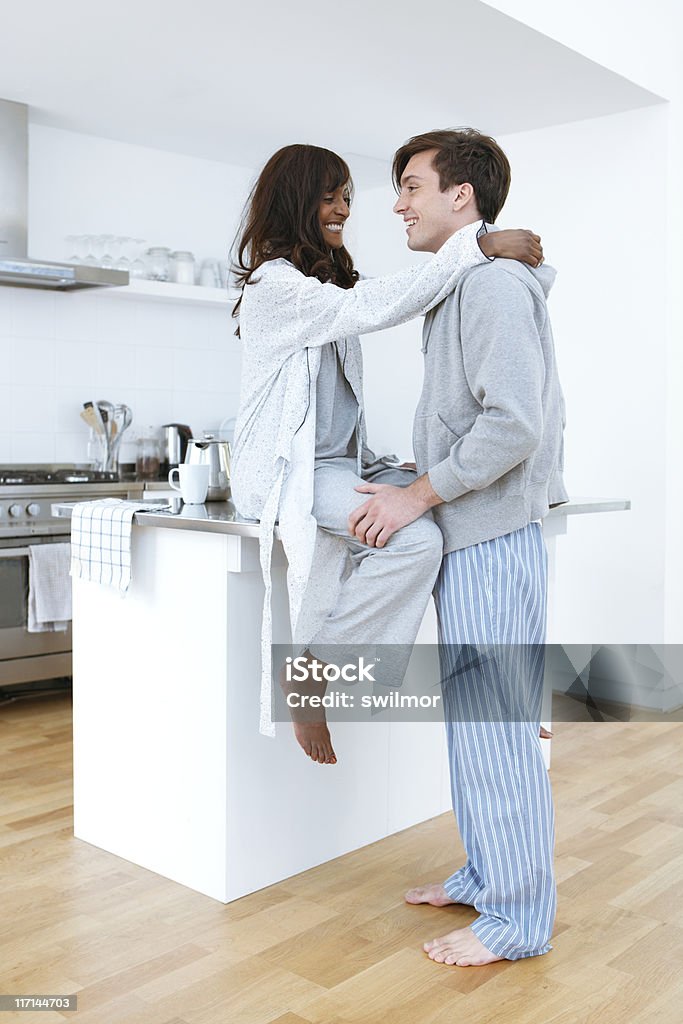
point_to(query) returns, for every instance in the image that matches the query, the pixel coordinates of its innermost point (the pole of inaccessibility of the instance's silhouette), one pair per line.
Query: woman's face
(332, 214)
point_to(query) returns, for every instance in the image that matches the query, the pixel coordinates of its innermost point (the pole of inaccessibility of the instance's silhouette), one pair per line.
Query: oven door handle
(13, 552)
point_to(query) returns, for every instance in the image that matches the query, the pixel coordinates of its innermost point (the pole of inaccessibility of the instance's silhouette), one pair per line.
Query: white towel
(49, 588)
(100, 540)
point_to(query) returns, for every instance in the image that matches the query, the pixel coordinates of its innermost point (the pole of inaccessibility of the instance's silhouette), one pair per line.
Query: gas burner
(81, 476)
(18, 477)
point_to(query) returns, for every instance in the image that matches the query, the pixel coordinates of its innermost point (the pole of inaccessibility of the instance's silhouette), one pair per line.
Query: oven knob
(33, 509)
(15, 510)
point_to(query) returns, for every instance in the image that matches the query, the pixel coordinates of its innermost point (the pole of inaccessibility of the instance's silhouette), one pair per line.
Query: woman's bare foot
(544, 734)
(314, 739)
(433, 893)
(460, 947)
(310, 723)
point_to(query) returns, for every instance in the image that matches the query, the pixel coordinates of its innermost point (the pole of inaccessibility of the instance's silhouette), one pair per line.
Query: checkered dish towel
(100, 540)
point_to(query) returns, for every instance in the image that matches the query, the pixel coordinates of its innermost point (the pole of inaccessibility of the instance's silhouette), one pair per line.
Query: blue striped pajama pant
(494, 593)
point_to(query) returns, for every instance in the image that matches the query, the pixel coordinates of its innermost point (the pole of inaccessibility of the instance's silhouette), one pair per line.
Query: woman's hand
(514, 244)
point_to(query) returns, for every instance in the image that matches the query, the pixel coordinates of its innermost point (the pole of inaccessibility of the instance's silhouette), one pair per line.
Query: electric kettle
(174, 445)
(208, 450)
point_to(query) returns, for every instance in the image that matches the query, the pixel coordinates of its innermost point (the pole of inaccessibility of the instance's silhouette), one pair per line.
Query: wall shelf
(161, 291)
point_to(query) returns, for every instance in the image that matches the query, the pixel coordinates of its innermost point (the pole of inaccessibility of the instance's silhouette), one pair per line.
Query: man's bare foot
(314, 739)
(433, 893)
(462, 948)
(544, 734)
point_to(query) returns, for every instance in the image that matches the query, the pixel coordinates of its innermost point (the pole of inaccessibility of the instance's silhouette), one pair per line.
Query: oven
(24, 656)
(26, 499)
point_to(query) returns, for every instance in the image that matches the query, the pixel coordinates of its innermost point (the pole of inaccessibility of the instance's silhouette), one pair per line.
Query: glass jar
(209, 275)
(157, 260)
(148, 455)
(182, 267)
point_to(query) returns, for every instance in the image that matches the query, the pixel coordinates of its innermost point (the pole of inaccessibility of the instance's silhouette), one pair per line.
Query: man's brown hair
(462, 155)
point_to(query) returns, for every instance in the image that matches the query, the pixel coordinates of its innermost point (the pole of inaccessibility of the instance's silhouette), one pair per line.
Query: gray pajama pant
(386, 593)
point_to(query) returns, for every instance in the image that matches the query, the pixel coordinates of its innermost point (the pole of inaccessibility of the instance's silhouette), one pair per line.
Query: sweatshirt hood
(545, 274)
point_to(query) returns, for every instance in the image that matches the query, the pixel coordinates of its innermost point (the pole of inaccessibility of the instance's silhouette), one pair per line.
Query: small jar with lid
(157, 261)
(182, 267)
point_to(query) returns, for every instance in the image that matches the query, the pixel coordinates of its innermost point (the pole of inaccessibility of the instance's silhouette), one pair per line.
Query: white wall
(643, 44)
(83, 184)
(581, 186)
(168, 362)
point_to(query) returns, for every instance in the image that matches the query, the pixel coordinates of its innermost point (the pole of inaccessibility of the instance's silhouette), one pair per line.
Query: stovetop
(19, 476)
(28, 492)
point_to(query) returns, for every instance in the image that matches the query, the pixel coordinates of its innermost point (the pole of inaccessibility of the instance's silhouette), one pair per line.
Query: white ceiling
(232, 82)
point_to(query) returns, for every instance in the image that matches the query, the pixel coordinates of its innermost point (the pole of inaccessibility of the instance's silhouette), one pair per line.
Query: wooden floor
(338, 944)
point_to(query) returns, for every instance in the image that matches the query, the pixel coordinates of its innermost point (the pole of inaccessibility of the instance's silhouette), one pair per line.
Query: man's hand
(390, 509)
(515, 244)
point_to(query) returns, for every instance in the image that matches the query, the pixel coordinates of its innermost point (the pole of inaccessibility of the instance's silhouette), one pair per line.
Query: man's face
(429, 214)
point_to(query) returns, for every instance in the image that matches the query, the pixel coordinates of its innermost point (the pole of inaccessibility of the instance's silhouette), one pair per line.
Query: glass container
(182, 267)
(157, 259)
(148, 456)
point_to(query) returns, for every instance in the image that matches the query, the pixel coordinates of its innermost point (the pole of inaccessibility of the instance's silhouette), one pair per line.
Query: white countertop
(221, 516)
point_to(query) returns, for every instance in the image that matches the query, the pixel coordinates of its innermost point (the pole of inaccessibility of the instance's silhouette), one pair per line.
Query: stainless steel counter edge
(186, 520)
(197, 518)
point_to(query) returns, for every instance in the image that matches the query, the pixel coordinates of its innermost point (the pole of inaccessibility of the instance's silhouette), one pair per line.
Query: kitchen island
(170, 771)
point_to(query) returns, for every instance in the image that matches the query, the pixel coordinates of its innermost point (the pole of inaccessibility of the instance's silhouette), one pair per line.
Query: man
(488, 448)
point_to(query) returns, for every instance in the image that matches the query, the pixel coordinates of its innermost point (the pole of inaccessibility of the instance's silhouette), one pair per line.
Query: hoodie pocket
(432, 441)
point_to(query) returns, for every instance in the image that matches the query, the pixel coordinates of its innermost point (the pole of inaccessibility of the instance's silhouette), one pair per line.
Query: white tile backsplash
(76, 363)
(194, 369)
(33, 313)
(6, 348)
(32, 447)
(154, 368)
(6, 311)
(33, 409)
(203, 410)
(221, 330)
(191, 326)
(33, 361)
(151, 408)
(226, 363)
(154, 323)
(115, 368)
(168, 361)
(70, 401)
(77, 316)
(116, 320)
(5, 408)
(71, 447)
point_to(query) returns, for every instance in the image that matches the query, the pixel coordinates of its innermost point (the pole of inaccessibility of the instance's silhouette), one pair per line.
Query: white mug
(193, 480)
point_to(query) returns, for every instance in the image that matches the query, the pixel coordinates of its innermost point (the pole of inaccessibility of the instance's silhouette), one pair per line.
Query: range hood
(16, 268)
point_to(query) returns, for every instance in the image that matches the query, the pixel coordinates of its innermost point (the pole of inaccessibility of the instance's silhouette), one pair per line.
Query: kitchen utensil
(88, 416)
(174, 444)
(193, 482)
(122, 418)
(208, 450)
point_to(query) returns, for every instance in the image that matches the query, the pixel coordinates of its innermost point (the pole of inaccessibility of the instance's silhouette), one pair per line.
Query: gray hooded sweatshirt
(488, 428)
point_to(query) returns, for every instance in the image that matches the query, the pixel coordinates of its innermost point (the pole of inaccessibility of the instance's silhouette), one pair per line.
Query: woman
(300, 438)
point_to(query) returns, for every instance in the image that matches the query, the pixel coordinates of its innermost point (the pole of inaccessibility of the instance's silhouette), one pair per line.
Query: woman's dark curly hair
(281, 220)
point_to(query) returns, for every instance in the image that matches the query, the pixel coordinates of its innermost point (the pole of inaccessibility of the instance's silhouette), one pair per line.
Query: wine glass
(138, 267)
